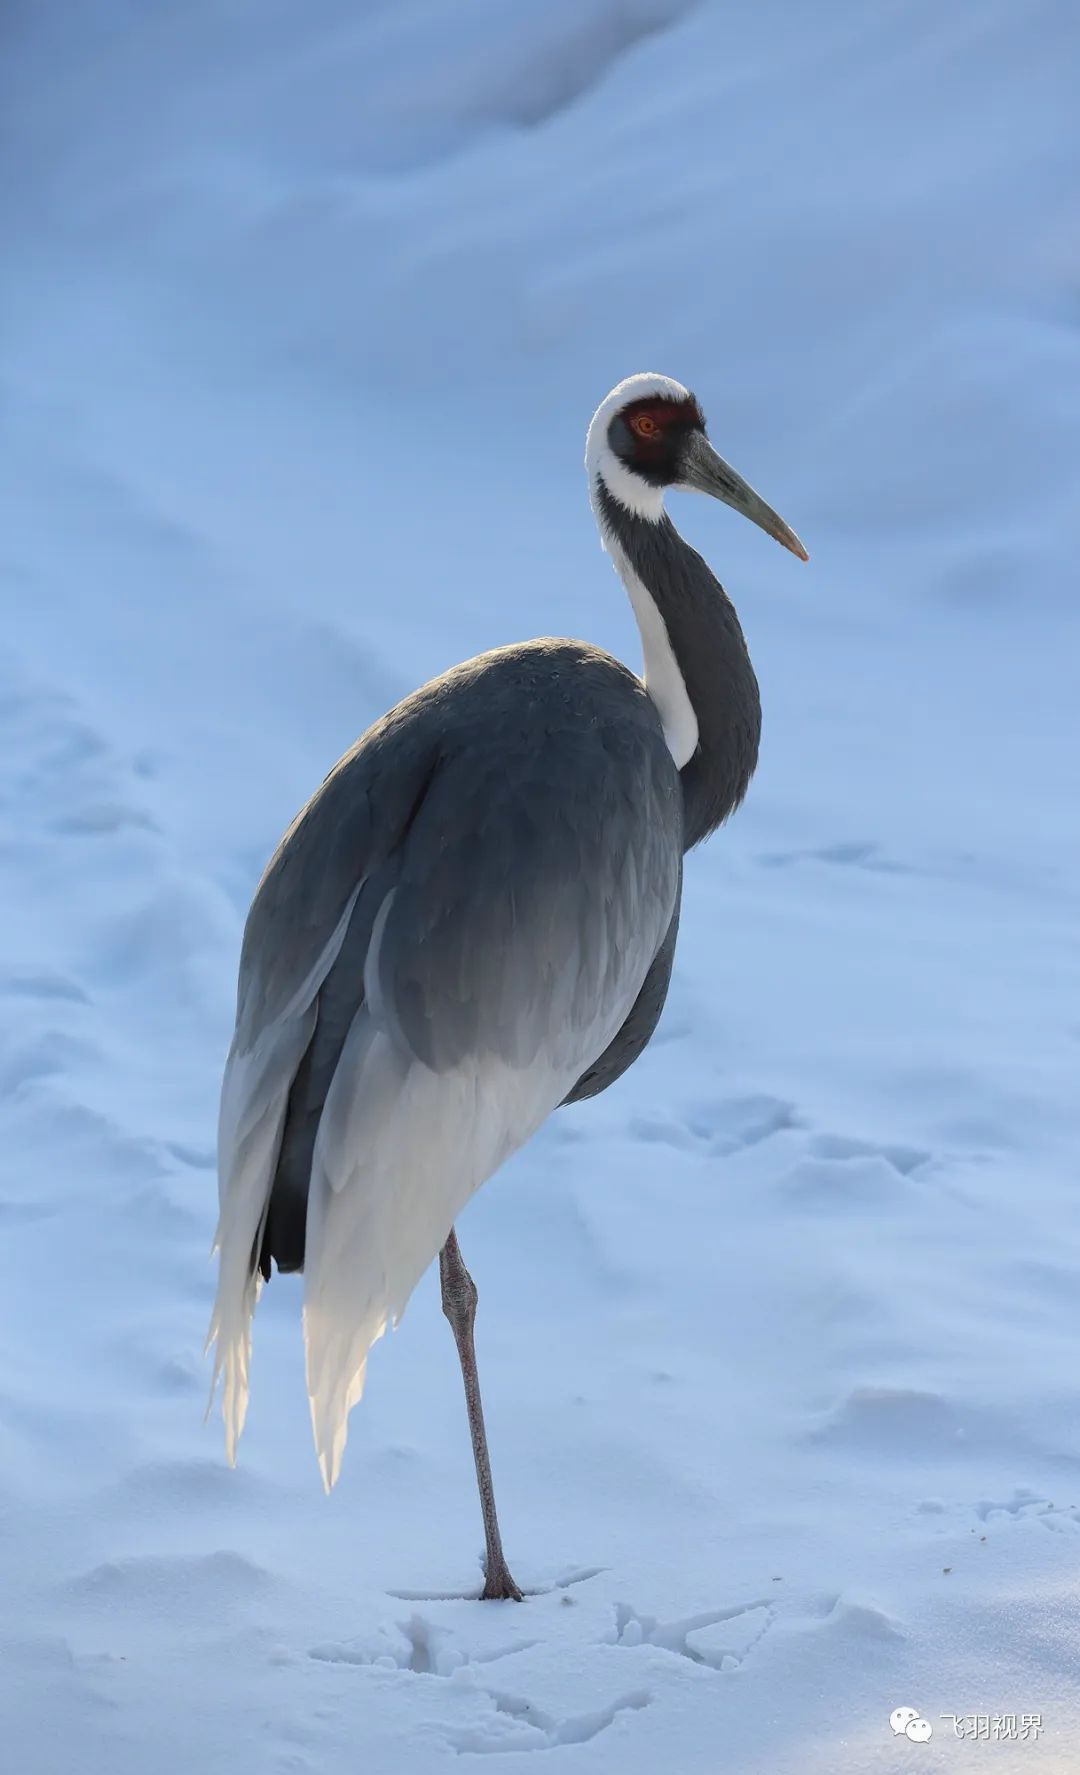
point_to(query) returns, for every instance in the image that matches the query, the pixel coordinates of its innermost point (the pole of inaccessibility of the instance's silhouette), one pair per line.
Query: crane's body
(472, 921)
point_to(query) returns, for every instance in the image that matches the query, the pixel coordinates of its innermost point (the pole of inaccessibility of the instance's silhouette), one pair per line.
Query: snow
(305, 309)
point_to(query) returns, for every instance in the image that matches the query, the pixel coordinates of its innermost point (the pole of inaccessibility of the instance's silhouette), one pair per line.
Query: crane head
(648, 435)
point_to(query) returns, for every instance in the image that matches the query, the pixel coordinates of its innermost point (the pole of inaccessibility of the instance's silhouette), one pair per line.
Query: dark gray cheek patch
(620, 438)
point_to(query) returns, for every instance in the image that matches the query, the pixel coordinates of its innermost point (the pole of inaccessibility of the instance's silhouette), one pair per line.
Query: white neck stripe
(663, 679)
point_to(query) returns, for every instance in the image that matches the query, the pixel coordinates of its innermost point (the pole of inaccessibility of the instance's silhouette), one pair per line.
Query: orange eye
(644, 425)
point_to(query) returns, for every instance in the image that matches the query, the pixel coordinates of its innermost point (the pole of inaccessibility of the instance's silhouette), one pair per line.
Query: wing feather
(448, 938)
(254, 1099)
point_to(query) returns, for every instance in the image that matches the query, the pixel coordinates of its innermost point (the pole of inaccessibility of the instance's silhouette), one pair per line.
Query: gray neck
(711, 655)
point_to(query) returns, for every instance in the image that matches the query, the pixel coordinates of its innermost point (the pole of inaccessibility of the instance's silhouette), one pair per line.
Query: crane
(471, 922)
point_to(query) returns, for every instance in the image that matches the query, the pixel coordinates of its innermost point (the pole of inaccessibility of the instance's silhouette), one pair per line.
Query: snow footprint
(505, 1721)
(839, 1172)
(1024, 1506)
(416, 1645)
(516, 1724)
(720, 1638)
(722, 1127)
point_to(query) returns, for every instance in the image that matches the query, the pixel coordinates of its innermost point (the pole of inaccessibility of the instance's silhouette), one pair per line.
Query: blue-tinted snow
(305, 309)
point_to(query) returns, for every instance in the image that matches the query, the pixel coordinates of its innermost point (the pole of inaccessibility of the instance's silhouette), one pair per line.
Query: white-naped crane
(472, 922)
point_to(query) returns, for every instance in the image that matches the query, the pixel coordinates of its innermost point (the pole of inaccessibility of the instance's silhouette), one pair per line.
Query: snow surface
(305, 309)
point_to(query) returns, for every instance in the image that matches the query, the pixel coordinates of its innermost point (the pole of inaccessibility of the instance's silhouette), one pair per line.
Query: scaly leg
(459, 1305)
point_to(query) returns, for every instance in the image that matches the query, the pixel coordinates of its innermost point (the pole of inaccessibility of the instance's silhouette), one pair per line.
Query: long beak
(706, 472)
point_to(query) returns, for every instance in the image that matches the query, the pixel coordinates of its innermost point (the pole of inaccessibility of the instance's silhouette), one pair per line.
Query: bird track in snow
(424, 1646)
(1026, 1506)
(718, 1638)
(425, 1649)
(533, 1729)
(725, 1127)
(513, 1722)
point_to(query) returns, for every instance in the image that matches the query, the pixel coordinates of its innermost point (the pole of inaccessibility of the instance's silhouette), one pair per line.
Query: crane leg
(459, 1305)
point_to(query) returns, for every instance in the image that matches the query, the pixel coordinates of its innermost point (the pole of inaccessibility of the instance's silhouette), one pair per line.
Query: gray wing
(507, 837)
(309, 908)
(491, 871)
(634, 1035)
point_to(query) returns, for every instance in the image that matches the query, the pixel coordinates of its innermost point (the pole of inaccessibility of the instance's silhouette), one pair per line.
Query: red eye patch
(650, 419)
